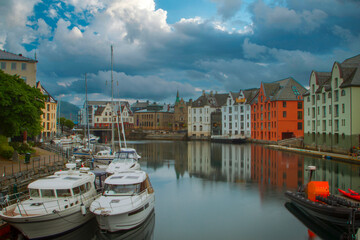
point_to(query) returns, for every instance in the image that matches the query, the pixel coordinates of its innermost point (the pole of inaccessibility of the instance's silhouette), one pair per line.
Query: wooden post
(19, 166)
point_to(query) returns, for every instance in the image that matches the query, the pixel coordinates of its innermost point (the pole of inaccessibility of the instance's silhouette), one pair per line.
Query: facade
(154, 117)
(92, 108)
(277, 111)
(104, 116)
(49, 116)
(180, 114)
(199, 114)
(331, 111)
(236, 113)
(17, 64)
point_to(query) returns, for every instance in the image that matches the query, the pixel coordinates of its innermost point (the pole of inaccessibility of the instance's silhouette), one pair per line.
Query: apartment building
(104, 116)
(49, 117)
(154, 117)
(331, 108)
(180, 114)
(277, 111)
(199, 114)
(18, 64)
(236, 113)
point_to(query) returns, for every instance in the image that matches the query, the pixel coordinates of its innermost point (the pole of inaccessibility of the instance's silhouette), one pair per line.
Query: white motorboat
(104, 156)
(54, 205)
(127, 200)
(126, 159)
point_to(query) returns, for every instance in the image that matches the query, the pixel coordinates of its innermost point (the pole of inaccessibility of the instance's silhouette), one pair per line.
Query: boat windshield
(125, 155)
(123, 160)
(112, 189)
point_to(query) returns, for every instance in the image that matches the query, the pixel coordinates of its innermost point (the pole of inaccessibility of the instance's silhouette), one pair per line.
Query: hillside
(69, 111)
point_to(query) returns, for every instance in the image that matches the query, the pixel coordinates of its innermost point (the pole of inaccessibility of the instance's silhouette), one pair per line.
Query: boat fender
(83, 209)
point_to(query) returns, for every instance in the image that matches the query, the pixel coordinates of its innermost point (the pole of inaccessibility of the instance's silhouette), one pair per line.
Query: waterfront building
(277, 111)
(22, 66)
(199, 114)
(236, 113)
(331, 111)
(154, 117)
(49, 117)
(104, 116)
(93, 107)
(180, 114)
(139, 105)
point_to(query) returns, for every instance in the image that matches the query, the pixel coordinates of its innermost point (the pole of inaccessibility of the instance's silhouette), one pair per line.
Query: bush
(6, 151)
(22, 148)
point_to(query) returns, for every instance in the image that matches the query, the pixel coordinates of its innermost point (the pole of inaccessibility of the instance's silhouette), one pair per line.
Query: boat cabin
(127, 183)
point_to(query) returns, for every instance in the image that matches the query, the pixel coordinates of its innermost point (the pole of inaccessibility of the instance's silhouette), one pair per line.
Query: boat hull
(336, 215)
(127, 220)
(52, 224)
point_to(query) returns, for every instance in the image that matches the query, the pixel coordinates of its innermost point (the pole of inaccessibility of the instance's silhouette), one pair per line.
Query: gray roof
(350, 70)
(14, 57)
(213, 100)
(283, 90)
(250, 94)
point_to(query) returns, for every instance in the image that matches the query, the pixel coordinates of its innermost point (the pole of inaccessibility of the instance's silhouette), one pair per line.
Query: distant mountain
(69, 111)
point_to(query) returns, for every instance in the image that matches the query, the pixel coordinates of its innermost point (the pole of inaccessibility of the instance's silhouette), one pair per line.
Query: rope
(57, 212)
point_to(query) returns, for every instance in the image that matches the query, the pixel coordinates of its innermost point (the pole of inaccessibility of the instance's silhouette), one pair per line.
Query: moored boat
(127, 200)
(126, 159)
(54, 205)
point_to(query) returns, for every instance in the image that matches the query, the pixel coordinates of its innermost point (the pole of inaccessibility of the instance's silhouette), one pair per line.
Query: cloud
(227, 8)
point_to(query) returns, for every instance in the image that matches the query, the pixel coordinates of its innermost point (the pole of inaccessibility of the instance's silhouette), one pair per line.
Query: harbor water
(210, 190)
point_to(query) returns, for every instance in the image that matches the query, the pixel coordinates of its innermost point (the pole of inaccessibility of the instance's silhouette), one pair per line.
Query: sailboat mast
(112, 102)
(87, 112)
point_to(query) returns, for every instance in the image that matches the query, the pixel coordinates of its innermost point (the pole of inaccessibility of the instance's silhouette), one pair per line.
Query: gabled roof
(14, 57)
(350, 70)
(99, 111)
(212, 100)
(250, 94)
(283, 90)
(45, 92)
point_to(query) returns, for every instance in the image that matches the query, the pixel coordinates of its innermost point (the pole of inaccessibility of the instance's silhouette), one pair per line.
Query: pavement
(319, 154)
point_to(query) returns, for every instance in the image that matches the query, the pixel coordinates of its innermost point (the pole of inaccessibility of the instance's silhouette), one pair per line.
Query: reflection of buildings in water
(199, 155)
(339, 175)
(157, 154)
(236, 162)
(272, 167)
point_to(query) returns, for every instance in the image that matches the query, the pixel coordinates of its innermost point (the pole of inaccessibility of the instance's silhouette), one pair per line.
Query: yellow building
(17, 64)
(49, 117)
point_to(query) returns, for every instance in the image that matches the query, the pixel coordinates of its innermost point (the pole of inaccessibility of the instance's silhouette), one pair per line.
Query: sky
(164, 46)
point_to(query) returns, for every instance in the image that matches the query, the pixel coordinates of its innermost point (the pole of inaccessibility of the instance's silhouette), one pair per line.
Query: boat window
(47, 193)
(83, 188)
(63, 192)
(76, 190)
(122, 160)
(34, 192)
(130, 189)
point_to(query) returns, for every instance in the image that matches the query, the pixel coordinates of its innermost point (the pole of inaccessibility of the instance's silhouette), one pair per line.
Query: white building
(199, 114)
(236, 113)
(104, 116)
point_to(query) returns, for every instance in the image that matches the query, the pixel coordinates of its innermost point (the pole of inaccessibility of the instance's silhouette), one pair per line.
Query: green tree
(69, 124)
(21, 107)
(62, 123)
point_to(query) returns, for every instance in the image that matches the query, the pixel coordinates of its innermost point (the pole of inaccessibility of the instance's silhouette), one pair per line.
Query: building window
(3, 65)
(13, 66)
(201, 128)
(262, 98)
(336, 110)
(194, 128)
(284, 114)
(343, 92)
(336, 95)
(308, 98)
(317, 97)
(48, 107)
(313, 99)
(343, 108)
(336, 82)
(284, 104)
(299, 106)
(299, 115)
(323, 98)
(313, 88)
(300, 126)
(329, 95)
(23, 66)
(324, 111)
(343, 122)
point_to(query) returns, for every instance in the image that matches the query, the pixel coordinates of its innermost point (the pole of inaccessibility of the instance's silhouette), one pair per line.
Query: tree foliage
(21, 106)
(66, 123)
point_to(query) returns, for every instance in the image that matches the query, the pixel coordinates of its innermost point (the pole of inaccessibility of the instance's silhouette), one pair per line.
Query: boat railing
(18, 206)
(115, 201)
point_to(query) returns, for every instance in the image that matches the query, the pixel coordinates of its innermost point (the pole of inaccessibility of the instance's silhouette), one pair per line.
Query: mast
(122, 125)
(58, 125)
(87, 112)
(112, 102)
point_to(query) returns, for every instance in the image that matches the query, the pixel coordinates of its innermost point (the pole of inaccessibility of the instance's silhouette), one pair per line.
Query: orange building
(277, 111)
